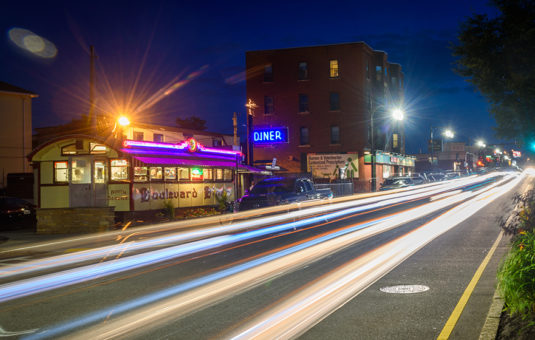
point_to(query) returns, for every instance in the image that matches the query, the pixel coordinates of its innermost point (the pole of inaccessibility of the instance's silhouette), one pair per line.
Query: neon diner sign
(270, 135)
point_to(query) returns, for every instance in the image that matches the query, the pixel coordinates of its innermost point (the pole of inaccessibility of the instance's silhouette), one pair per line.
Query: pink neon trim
(181, 146)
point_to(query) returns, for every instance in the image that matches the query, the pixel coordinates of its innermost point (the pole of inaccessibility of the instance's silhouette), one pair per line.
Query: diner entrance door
(87, 185)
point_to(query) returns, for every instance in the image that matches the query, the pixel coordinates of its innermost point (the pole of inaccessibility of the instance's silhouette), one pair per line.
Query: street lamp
(397, 114)
(446, 133)
(480, 143)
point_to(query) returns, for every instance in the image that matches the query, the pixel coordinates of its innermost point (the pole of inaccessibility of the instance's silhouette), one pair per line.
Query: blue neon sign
(270, 135)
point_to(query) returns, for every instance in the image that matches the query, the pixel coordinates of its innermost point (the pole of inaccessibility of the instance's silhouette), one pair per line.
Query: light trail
(217, 286)
(349, 207)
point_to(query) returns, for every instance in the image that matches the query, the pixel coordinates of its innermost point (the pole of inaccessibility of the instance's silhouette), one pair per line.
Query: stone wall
(74, 220)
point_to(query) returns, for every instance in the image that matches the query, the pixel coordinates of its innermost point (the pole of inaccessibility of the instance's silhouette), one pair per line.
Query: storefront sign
(333, 165)
(270, 136)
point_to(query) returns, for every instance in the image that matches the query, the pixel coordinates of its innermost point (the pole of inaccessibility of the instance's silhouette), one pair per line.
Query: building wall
(16, 137)
(360, 92)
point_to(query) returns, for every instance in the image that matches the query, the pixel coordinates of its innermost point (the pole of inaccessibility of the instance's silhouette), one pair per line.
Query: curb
(490, 328)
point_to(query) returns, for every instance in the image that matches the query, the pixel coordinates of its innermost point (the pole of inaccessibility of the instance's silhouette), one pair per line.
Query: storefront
(81, 171)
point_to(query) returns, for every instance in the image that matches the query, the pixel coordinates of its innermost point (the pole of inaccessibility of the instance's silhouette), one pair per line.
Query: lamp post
(397, 114)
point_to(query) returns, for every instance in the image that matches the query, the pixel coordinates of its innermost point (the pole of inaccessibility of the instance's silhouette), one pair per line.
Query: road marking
(75, 250)
(456, 314)
(4, 333)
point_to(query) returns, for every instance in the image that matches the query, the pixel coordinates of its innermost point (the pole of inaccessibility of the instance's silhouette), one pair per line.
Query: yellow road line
(456, 314)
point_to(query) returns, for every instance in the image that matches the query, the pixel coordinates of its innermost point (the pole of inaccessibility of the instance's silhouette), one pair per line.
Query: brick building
(319, 102)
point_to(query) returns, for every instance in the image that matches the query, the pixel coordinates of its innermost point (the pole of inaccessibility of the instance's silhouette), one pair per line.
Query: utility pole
(235, 125)
(250, 114)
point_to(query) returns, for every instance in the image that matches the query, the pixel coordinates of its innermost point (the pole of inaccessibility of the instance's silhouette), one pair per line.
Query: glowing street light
(448, 133)
(398, 114)
(123, 121)
(481, 144)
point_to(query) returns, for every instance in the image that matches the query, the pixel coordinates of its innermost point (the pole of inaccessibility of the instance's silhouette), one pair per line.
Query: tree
(497, 56)
(193, 123)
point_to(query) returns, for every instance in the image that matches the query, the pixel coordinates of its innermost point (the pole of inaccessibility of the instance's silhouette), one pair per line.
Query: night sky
(168, 59)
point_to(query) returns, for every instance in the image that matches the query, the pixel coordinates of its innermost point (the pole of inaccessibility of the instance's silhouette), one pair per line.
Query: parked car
(16, 213)
(418, 178)
(396, 183)
(282, 190)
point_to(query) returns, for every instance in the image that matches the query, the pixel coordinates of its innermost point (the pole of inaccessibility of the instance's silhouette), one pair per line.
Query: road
(312, 270)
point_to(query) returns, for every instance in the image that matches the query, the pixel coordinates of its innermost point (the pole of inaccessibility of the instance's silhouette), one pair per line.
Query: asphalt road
(197, 296)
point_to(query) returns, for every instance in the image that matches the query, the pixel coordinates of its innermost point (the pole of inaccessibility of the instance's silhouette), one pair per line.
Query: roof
(179, 129)
(8, 88)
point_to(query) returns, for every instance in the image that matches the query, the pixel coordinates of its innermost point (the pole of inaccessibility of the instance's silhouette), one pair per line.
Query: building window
(197, 174)
(268, 105)
(378, 72)
(227, 174)
(218, 174)
(138, 135)
(100, 171)
(216, 142)
(395, 141)
(334, 101)
(141, 174)
(80, 171)
(183, 174)
(333, 68)
(335, 134)
(303, 71)
(268, 73)
(169, 174)
(304, 138)
(119, 170)
(208, 174)
(303, 103)
(157, 137)
(61, 174)
(156, 173)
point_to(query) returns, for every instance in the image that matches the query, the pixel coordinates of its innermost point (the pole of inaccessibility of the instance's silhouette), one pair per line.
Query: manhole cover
(404, 289)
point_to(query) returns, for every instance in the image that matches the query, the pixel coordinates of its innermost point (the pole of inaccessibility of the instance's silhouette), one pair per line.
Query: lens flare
(33, 43)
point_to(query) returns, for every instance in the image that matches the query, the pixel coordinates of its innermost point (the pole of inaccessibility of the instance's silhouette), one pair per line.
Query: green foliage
(222, 201)
(496, 55)
(516, 277)
(169, 209)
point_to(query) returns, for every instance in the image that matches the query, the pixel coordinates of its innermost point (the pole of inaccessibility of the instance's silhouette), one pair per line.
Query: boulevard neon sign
(270, 136)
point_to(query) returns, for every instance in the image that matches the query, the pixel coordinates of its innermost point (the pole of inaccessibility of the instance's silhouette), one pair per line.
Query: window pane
(141, 174)
(218, 174)
(119, 170)
(156, 173)
(183, 173)
(333, 71)
(97, 148)
(138, 135)
(157, 137)
(60, 172)
(268, 73)
(100, 172)
(268, 105)
(81, 171)
(334, 100)
(303, 71)
(303, 138)
(227, 174)
(303, 103)
(335, 135)
(170, 173)
(207, 174)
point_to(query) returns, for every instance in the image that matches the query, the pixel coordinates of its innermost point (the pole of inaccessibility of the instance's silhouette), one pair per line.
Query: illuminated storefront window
(208, 174)
(227, 174)
(183, 174)
(170, 173)
(61, 174)
(80, 171)
(100, 172)
(119, 170)
(218, 174)
(156, 173)
(141, 174)
(196, 174)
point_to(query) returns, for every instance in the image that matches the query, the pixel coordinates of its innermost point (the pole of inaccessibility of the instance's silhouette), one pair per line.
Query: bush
(169, 209)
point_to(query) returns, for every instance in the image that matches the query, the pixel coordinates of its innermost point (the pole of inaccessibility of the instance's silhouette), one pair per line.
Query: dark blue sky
(199, 46)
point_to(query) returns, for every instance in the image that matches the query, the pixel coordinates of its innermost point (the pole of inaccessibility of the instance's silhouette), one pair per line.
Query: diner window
(97, 148)
(69, 149)
(304, 138)
(138, 135)
(197, 174)
(268, 73)
(208, 174)
(61, 174)
(156, 173)
(227, 174)
(303, 71)
(218, 174)
(303, 103)
(157, 137)
(183, 174)
(334, 71)
(335, 134)
(119, 170)
(80, 171)
(141, 174)
(100, 172)
(170, 174)
(334, 101)
(268, 105)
